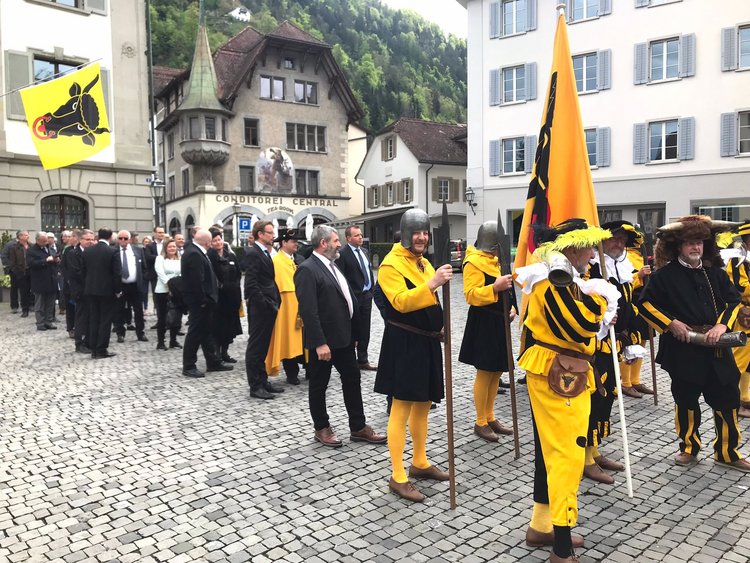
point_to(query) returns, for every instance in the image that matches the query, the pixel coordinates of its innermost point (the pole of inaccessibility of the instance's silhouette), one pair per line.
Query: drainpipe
(427, 190)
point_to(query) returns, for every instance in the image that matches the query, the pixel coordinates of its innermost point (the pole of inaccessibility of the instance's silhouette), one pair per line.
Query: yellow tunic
(738, 273)
(286, 340)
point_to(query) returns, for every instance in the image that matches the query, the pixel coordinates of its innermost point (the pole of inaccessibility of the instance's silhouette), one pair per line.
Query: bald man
(200, 290)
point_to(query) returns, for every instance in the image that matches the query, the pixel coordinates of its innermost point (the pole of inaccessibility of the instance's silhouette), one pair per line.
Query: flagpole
(618, 383)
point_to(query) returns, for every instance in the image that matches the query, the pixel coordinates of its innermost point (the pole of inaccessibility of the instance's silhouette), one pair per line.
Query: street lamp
(156, 186)
(236, 208)
(469, 193)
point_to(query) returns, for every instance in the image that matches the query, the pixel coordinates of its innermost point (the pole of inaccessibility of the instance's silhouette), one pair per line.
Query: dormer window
(289, 63)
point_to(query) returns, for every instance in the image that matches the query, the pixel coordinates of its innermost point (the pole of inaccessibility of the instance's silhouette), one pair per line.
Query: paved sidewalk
(126, 460)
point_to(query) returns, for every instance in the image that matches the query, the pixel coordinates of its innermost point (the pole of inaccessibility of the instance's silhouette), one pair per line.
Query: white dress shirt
(339, 278)
(130, 255)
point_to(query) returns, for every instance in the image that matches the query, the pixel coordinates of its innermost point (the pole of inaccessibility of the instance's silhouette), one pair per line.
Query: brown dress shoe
(631, 392)
(684, 459)
(367, 434)
(596, 473)
(641, 388)
(609, 464)
(326, 437)
(499, 428)
(485, 433)
(740, 465)
(743, 412)
(534, 538)
(745, 404)
(368, 367)
(406, 490)
(431, 472)
(557, 559)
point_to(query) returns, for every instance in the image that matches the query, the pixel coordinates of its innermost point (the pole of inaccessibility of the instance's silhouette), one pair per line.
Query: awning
(359, 219)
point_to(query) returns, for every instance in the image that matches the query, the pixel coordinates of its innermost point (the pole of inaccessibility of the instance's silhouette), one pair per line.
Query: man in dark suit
(43, 269)
(354, 263)
(328, 309)
(201, 294)
(75, 279)
(133, 267)
(263, 301)
(102, 279)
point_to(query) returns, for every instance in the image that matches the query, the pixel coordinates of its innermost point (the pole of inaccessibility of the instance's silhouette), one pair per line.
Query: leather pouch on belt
(568, 376)
(743, 317)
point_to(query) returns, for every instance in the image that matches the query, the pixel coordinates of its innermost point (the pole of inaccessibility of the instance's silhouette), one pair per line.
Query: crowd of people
(313, 312)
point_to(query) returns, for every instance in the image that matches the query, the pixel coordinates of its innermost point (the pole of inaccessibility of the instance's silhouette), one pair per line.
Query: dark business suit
(74, 278)
(201, 293)
(132, 294)
(325, 315)
(263, 301)
(102, 279)
(350, 266)
(43, 284)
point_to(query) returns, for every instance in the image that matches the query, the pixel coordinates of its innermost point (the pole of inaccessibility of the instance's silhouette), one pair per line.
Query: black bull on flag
(78, 117)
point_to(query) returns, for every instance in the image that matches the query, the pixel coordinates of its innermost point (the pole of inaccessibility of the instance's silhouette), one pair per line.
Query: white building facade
(664, 92)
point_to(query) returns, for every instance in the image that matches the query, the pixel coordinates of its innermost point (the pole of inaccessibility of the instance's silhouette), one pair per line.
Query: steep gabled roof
(290, 32)
(429, 141)
(164, 75)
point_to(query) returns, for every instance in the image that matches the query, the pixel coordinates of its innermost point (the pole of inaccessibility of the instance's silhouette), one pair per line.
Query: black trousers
(291, 366)
(161, 302)
(81, 322)
(259, 328)
(13, 292)
(70, 311)
(724, 400)
(365, 310)
(101, 313)
(199, 336)
(319, 373)
(131, 297)
(23, 285)
(601, 405)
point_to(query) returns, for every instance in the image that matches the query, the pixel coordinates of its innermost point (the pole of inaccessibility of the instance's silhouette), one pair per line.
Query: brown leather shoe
(743, 412)
(608, 464)
(499, 428)
(556, 559)
(535, 538)
(596, 473)
(740, 465)
(326, 437)
(631, 392)
(368, 367)
(431, 472)
(745, 404)
(406, 490)
(685, 459)
(367, 434)
(485, 433)
(641, 388)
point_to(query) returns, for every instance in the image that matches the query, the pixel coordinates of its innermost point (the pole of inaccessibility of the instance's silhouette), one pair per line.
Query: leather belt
(419, 331)
(590, 359)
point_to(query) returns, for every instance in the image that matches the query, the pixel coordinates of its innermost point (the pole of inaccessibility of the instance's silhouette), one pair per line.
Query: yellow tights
(745, 387)
(485, 391)
(415, 414)
(541, 519)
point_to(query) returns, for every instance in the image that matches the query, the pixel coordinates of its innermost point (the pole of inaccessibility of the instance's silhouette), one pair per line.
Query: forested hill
(398, 63)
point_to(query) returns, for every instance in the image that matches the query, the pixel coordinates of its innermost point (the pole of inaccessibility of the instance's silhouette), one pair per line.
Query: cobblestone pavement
(126, 460)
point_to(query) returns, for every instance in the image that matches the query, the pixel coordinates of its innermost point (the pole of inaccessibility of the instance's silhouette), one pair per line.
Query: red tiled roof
(287, 30)
(163, 75)
(430, 141)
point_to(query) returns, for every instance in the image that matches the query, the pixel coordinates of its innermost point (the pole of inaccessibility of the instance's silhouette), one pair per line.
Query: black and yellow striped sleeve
(655, 316)
(571, 320)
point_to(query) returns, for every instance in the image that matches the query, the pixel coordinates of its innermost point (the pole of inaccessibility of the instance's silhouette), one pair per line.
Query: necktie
(344, 290)
(125, 268)
(362, 265)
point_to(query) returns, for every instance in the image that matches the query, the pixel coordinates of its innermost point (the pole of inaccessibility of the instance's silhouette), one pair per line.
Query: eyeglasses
(268, 232)
(123, 238)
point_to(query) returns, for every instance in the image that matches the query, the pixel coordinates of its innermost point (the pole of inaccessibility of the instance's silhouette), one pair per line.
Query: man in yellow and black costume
(738, 268)
(690, 298)
(560, 328)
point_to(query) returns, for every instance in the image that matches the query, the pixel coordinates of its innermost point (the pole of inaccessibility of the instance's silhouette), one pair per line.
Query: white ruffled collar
(623, 267)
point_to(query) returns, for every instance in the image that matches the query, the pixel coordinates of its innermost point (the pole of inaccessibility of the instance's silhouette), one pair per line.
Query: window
(374, 196)
(251, 132)
(389, 194)
(591, 146)
(585, 69)
(170, 146)
(744, 133)
(171, 194)
(289, 63)
(210, 128)
(388, 148)
(744, 46)
(247, 179)
(720, 212)
(444, 189)
(272, 88)
(406, 190)
(609, 215)
(306, 182)
(305, 92)
(64, 212)
(662, 140)
(514, 84)
(514, 16)
(305, 137)
(194, 131)
(513, 155)
(583, 9)
(45, 70)
(186, 181)
(71, 3)
(664, 59)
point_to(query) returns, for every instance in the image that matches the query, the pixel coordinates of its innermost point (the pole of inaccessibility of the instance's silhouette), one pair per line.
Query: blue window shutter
(530, 15)
(687, 55)
(530, 73)
(604, 69)
(603, 146)
(529, 153)
(686, 138)
(640, 71)
(729, 134)
(640, 145)
(494, 158)
(642, 3)
(495, 87)
(495, 27)
(729, 48)
(605, 7)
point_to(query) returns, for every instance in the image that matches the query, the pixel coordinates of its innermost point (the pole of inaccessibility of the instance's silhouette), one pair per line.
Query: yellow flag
(67, 117)
(561, 187)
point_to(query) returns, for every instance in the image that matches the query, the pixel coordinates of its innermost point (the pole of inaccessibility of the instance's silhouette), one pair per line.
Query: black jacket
(141, 273)
(350, 267)
(43, 272)
(72, 267)
(102, 270)
(323, 307)
(260, 284)
(198, 278)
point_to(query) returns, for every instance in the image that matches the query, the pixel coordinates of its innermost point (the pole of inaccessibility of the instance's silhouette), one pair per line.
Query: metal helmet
(412, 221)
(487, 237)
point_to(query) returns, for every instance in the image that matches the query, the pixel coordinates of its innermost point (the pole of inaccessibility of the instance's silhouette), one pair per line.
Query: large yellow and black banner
(67, 117)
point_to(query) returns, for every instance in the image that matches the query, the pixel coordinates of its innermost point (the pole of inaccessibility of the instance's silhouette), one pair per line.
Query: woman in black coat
(226, 321)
